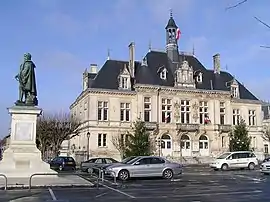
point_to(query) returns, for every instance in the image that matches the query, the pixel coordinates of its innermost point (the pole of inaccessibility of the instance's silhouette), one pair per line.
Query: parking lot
(196, 184)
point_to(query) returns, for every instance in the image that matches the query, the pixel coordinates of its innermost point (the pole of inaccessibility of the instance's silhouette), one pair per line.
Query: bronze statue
(27, 83)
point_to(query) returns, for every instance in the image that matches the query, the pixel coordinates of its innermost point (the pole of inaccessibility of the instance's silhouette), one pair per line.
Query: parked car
(145, 166)
(265, 167)
(266, 159)
(63, 163)
(238, 159)
(94, 164)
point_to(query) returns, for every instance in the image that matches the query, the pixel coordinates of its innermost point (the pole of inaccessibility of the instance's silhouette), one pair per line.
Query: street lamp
(88, 137)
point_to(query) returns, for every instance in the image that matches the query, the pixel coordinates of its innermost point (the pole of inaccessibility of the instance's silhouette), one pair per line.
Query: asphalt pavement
(196, 184)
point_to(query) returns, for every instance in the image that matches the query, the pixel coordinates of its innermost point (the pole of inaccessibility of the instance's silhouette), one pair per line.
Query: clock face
(23, 131)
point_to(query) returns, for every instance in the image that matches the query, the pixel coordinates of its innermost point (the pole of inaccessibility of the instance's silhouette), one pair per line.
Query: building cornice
(184, 90)
(246, 101)
(101, 91)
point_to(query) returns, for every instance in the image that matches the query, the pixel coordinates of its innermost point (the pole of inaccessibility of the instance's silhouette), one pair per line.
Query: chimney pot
(93, 68)
(216, 63)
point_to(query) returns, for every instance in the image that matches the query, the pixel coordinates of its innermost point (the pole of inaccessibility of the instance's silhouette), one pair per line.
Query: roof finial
(149, 46)
(108, 54)
(171, 13)
(193, 50)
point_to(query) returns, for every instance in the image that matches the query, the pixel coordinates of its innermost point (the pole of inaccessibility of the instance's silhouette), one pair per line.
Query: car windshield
(223, 156)
(126, 160)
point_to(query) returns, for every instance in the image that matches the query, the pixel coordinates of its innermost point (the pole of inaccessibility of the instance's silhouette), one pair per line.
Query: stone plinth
(22, 158)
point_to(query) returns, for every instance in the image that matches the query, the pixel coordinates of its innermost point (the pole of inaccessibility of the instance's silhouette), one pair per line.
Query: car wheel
(123, 175)
(224, 166)
(251, 166)
(167, 174)
(90, 170)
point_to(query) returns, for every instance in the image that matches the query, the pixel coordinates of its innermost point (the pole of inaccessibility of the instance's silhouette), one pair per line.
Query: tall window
(222, 113)
(102, 111)
(124, 82)
(236, 116)
(203, 112)
(125, 111)
(185, 111)
(102, 140)
(251, 117)
(166, 108)
(147, 109)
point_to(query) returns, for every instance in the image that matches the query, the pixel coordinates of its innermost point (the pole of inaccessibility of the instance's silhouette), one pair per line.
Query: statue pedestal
(22, 158)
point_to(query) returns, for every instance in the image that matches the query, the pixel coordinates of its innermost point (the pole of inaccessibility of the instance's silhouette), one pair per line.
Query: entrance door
(204, 145)
(166, 145)
(185, 146)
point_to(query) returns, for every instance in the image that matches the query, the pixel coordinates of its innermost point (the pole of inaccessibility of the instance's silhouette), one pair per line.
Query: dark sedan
(63, 163)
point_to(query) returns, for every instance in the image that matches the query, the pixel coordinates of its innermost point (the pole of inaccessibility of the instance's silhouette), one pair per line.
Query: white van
(238, 159)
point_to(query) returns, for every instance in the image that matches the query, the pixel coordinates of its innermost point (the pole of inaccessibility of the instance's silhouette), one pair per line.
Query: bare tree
(52, 130)
(256, 18)
(119, 144)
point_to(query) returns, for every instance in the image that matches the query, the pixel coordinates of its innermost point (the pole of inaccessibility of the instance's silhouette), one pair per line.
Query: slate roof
(107, 77)
(171, 23)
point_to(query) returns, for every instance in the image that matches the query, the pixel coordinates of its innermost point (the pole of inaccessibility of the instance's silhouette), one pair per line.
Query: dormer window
(162, 73)
(234, 91)
(199, 78)
(124, 82)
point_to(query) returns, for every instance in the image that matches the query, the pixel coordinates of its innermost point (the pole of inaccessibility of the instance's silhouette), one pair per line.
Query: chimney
(216, 61)
(93, 68)
(131, 64)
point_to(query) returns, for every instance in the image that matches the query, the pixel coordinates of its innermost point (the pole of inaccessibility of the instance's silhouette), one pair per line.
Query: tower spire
(149, 46)
(171, 13)
(193, 50)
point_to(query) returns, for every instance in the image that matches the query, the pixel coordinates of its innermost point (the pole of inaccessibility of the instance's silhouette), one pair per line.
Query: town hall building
(189, 110)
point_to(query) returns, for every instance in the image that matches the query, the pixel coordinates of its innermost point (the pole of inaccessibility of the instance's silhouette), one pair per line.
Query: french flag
(168, 118)
(207, 120)
(178, 33)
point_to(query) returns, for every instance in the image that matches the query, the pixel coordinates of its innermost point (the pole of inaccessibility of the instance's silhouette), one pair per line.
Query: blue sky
(65, 37)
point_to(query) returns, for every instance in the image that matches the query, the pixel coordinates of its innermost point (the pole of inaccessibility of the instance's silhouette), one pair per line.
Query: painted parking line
(118, 191)
(203, 194)
(251, 178)
(52, 194)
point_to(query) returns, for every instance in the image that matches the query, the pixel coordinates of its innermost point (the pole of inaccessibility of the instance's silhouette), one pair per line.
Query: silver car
(145, 166)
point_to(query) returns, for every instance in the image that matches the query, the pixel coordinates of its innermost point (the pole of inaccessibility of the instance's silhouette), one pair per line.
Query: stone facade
(192, 139)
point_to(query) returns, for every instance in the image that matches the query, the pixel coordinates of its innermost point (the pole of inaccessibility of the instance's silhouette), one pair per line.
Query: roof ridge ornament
(171, 13)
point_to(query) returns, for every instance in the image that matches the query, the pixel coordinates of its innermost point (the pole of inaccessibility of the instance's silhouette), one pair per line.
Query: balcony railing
(151, 125)
(224, 128)
(187, 127)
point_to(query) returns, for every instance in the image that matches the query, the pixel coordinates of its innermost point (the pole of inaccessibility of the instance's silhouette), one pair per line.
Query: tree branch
(260, 21)
(265, 46)
(236, 5)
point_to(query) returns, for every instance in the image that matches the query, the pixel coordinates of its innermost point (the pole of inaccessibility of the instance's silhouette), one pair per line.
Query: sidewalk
(46, 181)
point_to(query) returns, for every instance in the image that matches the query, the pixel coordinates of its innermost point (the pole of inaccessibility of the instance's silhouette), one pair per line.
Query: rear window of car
(68, 159)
